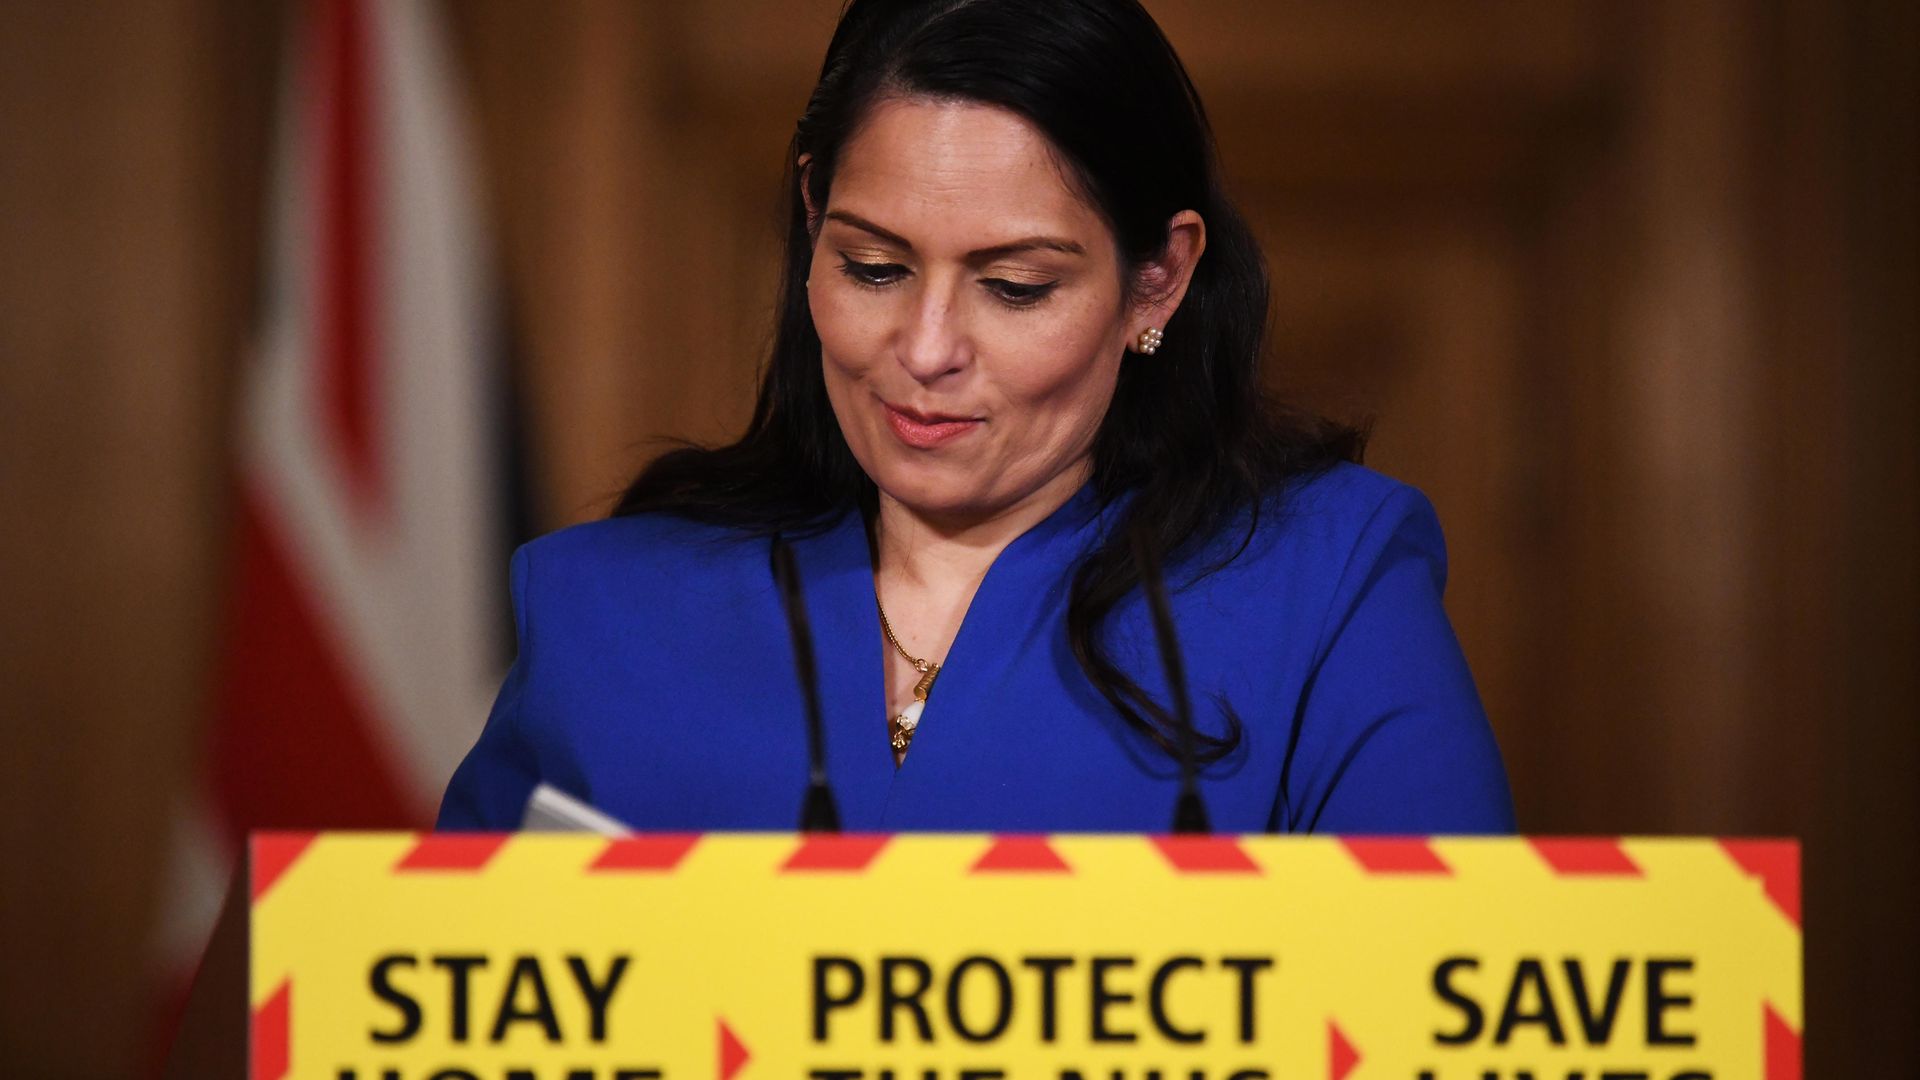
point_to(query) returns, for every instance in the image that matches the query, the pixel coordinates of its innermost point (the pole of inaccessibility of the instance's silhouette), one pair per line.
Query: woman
(1018, 354)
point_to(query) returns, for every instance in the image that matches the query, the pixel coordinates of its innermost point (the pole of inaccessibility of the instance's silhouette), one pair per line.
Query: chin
(933, 492)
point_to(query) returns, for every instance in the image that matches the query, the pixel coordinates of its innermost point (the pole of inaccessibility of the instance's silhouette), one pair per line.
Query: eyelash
(881, 275)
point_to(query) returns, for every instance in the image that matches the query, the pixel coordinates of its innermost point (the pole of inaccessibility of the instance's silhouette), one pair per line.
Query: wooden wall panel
(1625, 286)
(128, 190)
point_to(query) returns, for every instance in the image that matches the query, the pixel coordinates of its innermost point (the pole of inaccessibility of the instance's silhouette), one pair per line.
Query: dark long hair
(1189, 431)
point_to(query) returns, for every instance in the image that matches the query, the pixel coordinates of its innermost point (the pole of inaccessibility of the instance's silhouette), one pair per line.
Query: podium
(395, 956)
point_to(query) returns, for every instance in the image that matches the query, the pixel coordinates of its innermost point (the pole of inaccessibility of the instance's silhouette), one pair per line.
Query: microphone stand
(818, 812)
(1189, 810)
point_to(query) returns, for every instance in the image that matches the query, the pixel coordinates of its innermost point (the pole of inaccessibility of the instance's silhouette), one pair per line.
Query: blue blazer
(655, 680)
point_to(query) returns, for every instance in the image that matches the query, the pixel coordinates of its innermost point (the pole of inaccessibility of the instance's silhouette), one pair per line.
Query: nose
(934, 342)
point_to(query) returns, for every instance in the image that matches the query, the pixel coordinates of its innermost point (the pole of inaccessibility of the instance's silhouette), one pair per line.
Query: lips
(924, 431)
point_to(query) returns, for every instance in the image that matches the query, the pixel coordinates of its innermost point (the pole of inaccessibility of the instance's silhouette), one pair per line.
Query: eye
(1018, 293)
(872, 275)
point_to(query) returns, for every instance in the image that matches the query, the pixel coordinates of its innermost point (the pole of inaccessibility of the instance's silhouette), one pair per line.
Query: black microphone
(818, 812)
(1189, 810)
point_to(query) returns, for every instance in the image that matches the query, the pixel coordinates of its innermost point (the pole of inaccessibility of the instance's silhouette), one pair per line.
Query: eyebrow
(1030, 243)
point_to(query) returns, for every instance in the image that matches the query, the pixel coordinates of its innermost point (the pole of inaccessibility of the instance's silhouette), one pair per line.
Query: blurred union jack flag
(363, 631)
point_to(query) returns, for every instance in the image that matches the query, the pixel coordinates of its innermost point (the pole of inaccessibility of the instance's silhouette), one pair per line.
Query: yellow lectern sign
(755, 957)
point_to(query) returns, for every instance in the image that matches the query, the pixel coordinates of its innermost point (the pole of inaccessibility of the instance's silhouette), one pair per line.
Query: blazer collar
(1015, 607)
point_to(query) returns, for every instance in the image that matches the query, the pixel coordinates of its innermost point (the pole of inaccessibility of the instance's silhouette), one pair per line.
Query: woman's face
(970, 308)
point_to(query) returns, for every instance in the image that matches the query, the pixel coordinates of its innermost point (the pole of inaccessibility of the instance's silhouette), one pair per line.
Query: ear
(803, 168)
(1161, 284)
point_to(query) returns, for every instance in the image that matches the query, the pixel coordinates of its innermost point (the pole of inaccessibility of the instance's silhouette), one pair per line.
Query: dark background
(1629, 288)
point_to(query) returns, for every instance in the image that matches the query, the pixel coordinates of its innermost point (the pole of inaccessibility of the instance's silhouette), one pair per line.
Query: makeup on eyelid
(880, 275)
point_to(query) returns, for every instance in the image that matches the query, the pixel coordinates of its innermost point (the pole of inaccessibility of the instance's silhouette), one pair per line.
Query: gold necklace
(901, 726)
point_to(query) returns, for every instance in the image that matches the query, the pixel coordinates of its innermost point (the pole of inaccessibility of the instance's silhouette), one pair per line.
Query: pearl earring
(1149, 340)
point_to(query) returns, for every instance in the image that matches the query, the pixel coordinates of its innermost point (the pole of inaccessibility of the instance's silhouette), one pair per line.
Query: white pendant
(909, 717)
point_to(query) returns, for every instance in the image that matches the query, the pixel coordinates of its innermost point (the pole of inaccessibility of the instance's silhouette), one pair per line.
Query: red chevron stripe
(1021, 855)
(1395, 855)
(1777, 864)
(1783, 1047)
(461, 852)
(835, 853)
(269, 1039)
(273, 853)
(1206, 855)
(1585, 856)
(1342, 1058)
(732, 1054)
(651, 852)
